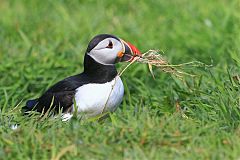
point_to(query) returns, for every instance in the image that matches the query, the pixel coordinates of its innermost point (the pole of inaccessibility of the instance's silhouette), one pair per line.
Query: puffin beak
(129, 53)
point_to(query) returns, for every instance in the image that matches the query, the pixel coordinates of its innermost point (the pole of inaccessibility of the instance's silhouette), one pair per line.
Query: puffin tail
(30, 105)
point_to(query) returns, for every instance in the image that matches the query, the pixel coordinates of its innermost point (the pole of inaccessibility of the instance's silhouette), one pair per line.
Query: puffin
(97, 90)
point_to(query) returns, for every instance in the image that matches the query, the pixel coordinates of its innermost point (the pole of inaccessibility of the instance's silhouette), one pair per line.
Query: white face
(106, 51)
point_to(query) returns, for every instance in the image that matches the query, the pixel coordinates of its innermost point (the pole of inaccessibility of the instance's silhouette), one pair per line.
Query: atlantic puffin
(97, 89)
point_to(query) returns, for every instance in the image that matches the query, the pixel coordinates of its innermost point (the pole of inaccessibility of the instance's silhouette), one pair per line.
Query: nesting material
(154, 58)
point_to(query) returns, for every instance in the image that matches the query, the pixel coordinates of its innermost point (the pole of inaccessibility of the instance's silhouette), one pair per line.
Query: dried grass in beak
(154, 58)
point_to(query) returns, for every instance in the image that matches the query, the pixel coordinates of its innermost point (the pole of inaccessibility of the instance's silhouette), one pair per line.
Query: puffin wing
(59, 96)
(55, 100)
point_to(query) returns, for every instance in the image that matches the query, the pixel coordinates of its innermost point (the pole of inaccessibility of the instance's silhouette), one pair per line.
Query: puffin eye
(110, 45)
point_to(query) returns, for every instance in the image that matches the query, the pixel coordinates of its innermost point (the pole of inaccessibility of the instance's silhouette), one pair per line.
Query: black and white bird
(97, 89)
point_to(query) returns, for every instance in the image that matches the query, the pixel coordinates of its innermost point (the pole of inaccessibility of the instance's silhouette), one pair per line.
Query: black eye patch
(110, 45)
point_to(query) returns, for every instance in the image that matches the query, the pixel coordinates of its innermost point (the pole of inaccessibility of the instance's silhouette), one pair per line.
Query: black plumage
(61, 95)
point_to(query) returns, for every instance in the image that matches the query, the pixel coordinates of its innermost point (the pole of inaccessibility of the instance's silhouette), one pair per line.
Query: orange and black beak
(129, 53)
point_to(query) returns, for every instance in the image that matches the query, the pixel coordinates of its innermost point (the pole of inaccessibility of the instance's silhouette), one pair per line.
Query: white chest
(93, 99)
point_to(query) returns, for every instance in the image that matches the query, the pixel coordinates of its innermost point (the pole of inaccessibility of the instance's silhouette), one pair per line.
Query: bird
(98, 89)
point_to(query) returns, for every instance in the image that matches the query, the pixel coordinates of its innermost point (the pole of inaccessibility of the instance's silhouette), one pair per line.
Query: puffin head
(108, 49)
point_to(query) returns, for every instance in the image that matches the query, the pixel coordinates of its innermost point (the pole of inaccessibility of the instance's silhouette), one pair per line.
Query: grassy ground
(42, 42)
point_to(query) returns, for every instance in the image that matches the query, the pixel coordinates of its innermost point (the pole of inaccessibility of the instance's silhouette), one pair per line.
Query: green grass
(42, 42)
